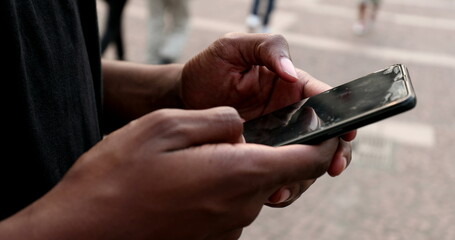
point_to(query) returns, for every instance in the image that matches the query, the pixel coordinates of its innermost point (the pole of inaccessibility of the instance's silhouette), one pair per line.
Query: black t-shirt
(51, 94)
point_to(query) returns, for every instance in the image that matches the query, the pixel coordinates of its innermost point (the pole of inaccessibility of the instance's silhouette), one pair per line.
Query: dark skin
(186, 174)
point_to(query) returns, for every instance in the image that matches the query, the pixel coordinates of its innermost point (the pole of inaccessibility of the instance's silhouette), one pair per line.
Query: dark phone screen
(328, 108)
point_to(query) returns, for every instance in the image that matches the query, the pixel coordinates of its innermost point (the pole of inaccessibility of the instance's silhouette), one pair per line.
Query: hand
(254, 74)
(286, 195)
(250, 72)
(174, 174)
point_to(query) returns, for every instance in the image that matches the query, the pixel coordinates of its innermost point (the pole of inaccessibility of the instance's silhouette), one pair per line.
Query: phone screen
(335, 111)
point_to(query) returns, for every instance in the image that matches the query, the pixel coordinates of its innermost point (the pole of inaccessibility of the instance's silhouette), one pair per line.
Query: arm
(132, 90)
(254, 74)
(183, 169)
(168, 170)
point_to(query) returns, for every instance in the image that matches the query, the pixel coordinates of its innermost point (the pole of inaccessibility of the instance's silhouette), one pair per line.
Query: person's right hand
(254, 74)
(174, 174)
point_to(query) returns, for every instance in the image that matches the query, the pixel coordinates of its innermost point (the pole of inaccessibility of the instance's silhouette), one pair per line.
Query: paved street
(401, 183)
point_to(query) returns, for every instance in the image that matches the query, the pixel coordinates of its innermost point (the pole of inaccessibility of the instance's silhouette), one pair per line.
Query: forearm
(132, 90)
(43, 220)
(66, 212)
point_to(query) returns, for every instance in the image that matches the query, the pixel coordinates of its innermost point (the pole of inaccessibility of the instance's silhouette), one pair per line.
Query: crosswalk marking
(331, 44)
(383, 16)
(324, 43)
(408, 133)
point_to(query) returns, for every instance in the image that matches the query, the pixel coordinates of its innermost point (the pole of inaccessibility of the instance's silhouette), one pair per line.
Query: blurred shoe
(359, 29)
(252, 23)
(166, 60)
(266, 29)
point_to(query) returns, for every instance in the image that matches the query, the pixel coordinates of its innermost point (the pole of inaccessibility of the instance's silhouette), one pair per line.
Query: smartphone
(352, 105)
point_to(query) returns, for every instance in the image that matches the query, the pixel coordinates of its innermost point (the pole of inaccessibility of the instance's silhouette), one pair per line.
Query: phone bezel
(368, 117)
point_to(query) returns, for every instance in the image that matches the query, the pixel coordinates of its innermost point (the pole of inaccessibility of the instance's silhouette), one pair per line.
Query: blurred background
(401, 182)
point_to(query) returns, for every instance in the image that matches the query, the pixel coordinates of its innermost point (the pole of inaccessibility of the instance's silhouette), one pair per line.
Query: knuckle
(174, 129)
(227, 38)
(232, 35)
(218, 48)
(166, 122)
(225, 44)
(231, 120)
(228, 114)
(274, 45)
(275, 39)
(162, 116)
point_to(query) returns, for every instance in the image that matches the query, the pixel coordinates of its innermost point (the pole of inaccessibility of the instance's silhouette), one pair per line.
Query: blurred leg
(268, 13)
(270, 7)
(362, 12)
(118, 11)
(113, 31)
(252, 21)
(359, 27)
(177, 32)
(374, 12)
(109, 31)
(155, 30)
(255, 7)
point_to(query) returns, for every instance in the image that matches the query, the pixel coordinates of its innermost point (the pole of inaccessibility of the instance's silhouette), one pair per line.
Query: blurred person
(104, 149)
(167, 30)
(257, 21)
(113, 31)
(367, 11)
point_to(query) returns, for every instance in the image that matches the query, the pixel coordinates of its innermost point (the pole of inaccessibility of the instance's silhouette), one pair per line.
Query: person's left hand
(254, 74)
(250, 72)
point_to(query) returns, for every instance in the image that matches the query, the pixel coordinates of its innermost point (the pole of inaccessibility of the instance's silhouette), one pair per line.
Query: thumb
(294, 163)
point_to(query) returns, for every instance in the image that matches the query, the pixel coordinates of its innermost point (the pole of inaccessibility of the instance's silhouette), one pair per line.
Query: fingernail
(288, 67)
(285, 195)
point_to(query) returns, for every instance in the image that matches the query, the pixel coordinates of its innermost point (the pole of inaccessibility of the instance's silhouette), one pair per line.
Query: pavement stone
(400, 184)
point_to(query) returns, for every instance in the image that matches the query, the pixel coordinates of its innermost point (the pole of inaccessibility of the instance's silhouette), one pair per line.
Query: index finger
(349, 136)
(269, 50)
